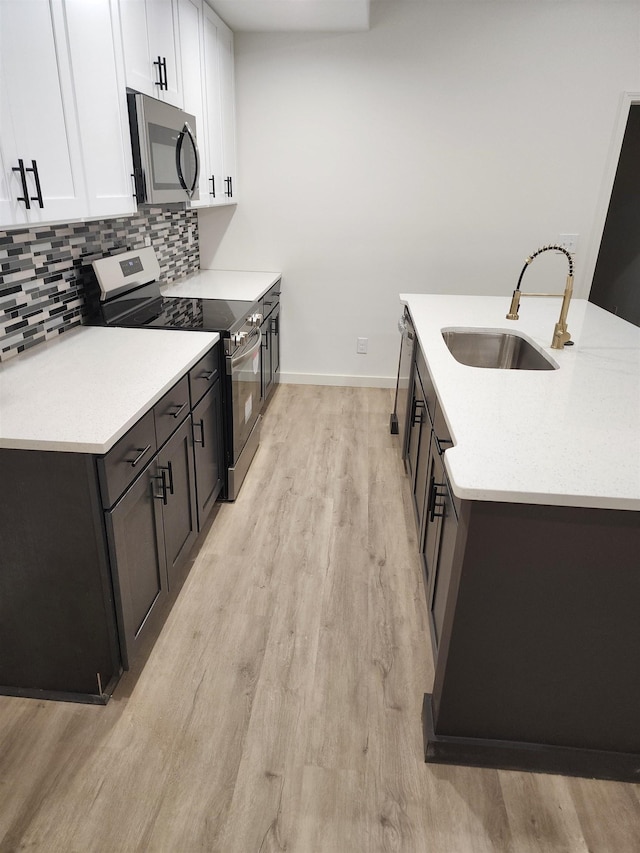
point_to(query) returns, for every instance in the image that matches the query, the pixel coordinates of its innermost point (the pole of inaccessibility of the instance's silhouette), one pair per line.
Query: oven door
(244, 369)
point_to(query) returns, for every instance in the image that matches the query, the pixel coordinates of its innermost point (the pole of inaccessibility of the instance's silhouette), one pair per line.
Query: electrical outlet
(361, 345)
(569, 242)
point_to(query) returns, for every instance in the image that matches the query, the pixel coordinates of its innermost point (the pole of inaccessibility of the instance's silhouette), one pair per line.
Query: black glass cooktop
(145, 307)
(205, 315)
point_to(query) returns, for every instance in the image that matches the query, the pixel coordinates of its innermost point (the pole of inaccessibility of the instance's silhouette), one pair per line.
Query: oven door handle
(234, 360)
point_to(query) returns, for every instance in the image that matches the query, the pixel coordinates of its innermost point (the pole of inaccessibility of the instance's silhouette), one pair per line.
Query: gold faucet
(561, 334)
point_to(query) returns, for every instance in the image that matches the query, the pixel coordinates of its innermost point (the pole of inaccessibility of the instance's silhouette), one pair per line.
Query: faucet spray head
(515, 304)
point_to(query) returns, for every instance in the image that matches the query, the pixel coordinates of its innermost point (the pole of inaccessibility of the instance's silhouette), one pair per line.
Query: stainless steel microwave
(166, 162)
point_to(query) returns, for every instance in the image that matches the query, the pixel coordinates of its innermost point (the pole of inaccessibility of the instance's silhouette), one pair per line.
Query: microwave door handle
(186, 131)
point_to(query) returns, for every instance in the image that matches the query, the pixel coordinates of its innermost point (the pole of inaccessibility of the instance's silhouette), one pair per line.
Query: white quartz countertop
(223, 284)
(568, 437)
(82, 391)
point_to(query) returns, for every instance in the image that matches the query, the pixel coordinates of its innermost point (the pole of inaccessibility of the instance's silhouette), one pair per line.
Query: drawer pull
(208, 376)
(141, 453)
(180, 408)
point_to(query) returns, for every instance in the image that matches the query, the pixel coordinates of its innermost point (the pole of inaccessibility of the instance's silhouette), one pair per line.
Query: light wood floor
(280, 708)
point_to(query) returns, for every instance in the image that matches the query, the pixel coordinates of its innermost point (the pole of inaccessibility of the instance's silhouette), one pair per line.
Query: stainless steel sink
(495, 349)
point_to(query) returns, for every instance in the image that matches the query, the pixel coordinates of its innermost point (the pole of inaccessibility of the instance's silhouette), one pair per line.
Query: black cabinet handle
(161, 62)
(141, 453)
(169, 469)
(23, 180)
(274, 325)
(180, 408)
(416, 417)
(208, 376)
(201, 439)
(433, 500)
(36, 178)
(229, 182)
(163, 487)
(212, 192)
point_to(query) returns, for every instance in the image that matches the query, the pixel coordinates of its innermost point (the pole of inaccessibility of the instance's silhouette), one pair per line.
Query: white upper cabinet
(228, 110)
(63, 116)
(39, 133)
(151, 40)
(100, 93)
(192, 52)
(206, 46)
(219, 96)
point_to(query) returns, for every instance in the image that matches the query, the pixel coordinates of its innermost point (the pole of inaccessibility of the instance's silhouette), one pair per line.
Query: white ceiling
(288, 15)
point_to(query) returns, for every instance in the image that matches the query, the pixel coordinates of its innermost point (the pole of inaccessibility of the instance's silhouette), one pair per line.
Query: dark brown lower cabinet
(151, 530)
(58, 633)
(175, 463)
(138, 560)
(92, 547)
(208, 451)
(270, 351)
(441, 530)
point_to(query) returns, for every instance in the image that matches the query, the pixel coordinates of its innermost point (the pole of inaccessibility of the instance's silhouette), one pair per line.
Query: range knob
(239, 338)
(255, 320)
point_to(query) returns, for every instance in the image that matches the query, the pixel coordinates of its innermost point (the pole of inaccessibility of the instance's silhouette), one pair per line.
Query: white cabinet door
(150, 37)
(102, 106)
(228, 111)
(192, 52)
(66, 113)
(39, 126)
(219, 109)
(213, 141)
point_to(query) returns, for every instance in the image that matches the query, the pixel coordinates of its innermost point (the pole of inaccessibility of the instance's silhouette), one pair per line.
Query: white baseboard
(336, 379)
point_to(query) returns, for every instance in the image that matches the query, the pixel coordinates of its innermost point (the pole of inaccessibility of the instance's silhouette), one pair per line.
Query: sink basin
(495, 349)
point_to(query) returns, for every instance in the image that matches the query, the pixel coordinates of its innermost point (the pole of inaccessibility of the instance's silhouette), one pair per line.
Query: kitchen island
(530, 538)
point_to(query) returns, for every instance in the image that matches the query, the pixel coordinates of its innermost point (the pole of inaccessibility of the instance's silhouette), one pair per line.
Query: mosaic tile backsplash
(44, 269)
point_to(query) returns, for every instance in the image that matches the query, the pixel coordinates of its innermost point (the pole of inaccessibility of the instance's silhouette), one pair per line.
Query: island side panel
(541, 639)
(57, 618)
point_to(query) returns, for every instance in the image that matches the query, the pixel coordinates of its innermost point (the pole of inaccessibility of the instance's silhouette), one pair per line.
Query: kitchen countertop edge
(192, 347)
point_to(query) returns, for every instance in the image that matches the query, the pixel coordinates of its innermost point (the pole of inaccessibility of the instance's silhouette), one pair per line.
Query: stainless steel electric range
(129, 295)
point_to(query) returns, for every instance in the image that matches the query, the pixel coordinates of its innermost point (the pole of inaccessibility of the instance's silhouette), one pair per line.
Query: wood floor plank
(542, 813)
(608, 814)
(279, 709)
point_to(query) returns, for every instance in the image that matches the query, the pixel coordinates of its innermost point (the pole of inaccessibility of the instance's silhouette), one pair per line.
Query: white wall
(430, 154)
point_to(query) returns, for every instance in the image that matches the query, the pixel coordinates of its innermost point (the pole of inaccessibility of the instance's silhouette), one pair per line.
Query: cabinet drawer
(126, 459)
(171, 410)
(204, 374)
